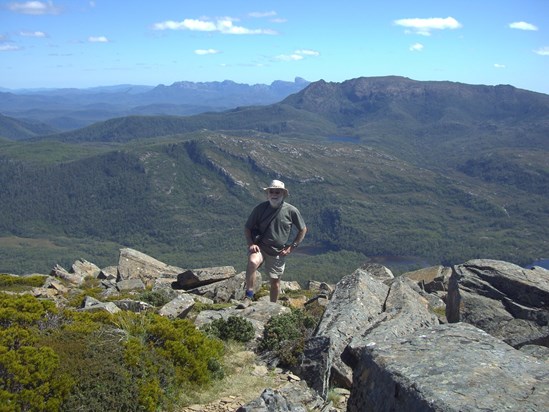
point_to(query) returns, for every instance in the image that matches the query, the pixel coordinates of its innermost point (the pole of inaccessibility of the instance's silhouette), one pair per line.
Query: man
(274, 219)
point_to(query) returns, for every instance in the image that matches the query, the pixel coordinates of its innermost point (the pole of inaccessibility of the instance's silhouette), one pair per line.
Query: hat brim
(286, 193)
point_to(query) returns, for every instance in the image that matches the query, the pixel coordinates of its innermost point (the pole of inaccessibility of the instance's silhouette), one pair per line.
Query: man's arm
(252, 247)
(248, 236)
(299, 237)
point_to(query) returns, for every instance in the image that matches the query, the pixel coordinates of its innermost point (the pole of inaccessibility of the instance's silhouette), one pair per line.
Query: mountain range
(379, 166)
(68, 109)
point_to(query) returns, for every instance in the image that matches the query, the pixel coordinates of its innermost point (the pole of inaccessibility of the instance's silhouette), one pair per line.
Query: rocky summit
(472, 337)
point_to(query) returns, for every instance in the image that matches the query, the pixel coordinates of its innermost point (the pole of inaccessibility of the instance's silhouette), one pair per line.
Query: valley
(440, 171)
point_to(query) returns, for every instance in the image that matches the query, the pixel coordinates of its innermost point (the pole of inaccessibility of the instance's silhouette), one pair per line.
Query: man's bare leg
(254, 261)
(275, 290)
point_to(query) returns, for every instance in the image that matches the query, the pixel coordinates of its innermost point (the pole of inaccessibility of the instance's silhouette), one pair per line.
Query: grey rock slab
(194, 278)
(452, 367)
(133, 264)
(503, 299)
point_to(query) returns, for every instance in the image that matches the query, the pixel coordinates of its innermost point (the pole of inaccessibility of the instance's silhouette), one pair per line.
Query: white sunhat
(277, 184)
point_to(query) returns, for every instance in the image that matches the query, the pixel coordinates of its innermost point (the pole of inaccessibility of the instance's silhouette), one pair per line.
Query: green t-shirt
(275, 235)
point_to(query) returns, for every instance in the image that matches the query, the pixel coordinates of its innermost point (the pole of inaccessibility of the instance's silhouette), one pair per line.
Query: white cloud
(32, 34)
(34, 7)
(260, 14)
(499, 66)
(203, 52)
(289, 57)
(8, 47)
(425, 26)
(416, 47)
(187, 24)
(98, 39)
(522, 25)
(306, 52)
(542, 51)
(224, 26)
(297, 55)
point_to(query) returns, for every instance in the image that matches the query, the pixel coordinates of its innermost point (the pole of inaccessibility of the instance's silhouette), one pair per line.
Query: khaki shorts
(274, 265)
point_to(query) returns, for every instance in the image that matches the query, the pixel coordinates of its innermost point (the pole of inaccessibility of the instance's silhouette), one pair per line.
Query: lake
(544, 263)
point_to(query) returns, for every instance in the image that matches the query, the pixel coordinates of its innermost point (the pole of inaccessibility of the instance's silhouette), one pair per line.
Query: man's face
(275, 196)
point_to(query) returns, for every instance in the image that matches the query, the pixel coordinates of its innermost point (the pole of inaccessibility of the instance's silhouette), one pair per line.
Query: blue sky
(81, 43)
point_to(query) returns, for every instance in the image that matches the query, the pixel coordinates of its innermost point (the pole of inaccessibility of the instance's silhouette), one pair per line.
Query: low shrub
(30, 373)
(67, 360)
(24, 310)
(155, 298)
(10, 282)
(234, 328)
(285, 335)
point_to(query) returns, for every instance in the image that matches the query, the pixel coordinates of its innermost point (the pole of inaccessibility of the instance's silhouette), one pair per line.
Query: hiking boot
(244, 304)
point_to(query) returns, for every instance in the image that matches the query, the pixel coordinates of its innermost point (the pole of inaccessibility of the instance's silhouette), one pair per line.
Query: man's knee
(254, 260)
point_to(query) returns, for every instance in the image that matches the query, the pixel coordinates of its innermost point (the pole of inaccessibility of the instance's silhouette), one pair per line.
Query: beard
(276, 202)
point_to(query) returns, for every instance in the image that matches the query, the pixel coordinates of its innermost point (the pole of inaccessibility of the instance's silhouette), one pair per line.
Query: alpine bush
(234, 328)
(285, 335)
(30, 375)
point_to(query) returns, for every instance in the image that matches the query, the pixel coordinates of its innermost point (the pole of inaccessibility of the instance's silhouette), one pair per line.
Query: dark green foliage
(24, 310)
(499, 169)
(22, 129)
(233, 328)
(95, 361)
(17, 283)
(194, 356)
(438, 171)
(31, 377)
(286, 334)
(65, 360)
(155, 298)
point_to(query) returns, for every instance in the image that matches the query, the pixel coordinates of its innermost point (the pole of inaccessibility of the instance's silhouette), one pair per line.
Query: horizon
(107, 86)
(86, 44)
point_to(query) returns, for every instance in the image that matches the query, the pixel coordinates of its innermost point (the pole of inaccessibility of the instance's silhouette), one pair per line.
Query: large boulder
(431, 279)
(228, 289)
(356, 302)
(503, 299)
(293, 397)
(194, 278)
(178, 307)
(451, 367)
(85, 269)
(133, 264)
(363, 309)
(73, 279)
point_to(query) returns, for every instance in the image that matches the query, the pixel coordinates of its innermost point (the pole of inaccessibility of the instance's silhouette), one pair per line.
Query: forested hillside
(373, 178)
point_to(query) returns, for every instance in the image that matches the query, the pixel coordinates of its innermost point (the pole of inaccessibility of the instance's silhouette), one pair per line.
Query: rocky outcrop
(226, 290)
(362, 310)
(452, 367)
(356, 302)
(503, 299)
(133, 264)
(257, 314)
(178, 307)
(194, 278)
(385, 339)
(295, 397)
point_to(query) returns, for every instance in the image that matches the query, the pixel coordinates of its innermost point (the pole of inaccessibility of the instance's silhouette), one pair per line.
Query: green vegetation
(19, 283)
(286, 334)
(233, 328)
(454, 173)
(54, 359)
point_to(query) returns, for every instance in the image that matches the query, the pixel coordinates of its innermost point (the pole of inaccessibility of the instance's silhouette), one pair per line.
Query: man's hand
(253, 248)
(286, 251)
